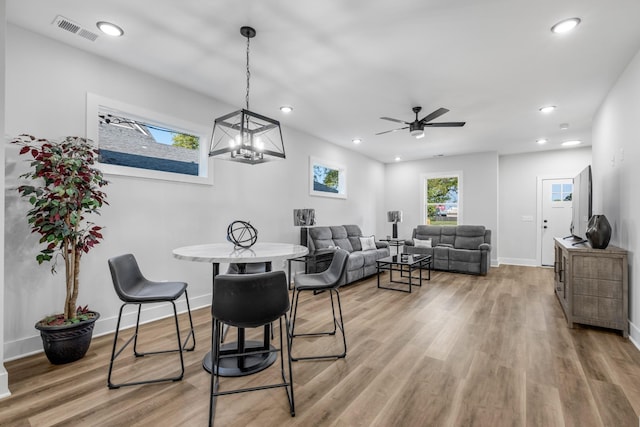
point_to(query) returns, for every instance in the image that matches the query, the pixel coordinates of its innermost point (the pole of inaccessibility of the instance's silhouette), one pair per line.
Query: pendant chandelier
(244, 136)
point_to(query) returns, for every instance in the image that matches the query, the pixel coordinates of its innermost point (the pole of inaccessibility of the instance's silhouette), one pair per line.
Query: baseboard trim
(520, 261)
(634, 334)
(106, 325)
(4, 382)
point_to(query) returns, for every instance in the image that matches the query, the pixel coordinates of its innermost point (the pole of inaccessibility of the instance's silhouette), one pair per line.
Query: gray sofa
(462, 248)
(323, 240)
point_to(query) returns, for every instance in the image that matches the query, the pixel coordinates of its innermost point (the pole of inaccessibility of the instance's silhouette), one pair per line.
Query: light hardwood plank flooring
(460, 351)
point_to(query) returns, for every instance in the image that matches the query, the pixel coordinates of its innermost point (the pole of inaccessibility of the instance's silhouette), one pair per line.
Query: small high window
(141, 143)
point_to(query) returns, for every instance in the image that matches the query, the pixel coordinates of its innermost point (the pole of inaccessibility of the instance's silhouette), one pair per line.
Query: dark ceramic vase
(599, 232)
(67, 343)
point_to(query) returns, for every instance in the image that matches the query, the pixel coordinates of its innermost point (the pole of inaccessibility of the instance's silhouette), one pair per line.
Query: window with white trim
(137, 142)
(442, 199)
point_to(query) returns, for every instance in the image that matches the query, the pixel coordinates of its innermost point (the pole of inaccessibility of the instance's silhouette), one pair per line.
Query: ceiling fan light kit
(417, 133)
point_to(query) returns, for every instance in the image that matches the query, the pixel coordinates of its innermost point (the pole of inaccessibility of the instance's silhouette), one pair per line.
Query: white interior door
(556, 214)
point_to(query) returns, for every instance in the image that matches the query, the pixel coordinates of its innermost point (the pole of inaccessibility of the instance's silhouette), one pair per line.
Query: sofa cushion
(448, 236)
(353, 234)
(370, 257)
(441, 258)
(355, 260)
(341, 238)
(465, 255)
(424, 232)
(321, 237)
(469, 236)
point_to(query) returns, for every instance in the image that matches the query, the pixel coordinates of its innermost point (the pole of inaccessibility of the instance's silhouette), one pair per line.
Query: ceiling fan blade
(392, 130)
(395, 120)
(434, 115)
(446, 124)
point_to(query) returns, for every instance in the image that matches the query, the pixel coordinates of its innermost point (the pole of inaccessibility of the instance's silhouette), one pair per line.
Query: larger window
(141, 143)
(442, 204)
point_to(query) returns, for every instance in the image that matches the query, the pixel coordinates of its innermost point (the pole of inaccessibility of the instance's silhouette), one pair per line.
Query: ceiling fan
(416, 128)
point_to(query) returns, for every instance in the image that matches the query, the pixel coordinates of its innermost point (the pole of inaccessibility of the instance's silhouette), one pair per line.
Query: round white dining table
(217, 253)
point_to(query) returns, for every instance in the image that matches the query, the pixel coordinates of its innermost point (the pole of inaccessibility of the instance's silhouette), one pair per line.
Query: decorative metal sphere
(242, 234)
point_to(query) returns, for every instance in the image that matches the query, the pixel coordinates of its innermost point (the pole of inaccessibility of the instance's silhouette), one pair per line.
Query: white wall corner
(4, 383)
(634, 334)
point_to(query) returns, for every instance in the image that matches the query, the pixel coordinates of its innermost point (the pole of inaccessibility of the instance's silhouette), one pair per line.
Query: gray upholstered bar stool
(249, 301)
(133, 288)
(328, 281)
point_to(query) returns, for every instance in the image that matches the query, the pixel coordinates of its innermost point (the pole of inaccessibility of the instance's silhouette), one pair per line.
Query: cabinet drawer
(598, 288)
(597, 267)
(591, 307)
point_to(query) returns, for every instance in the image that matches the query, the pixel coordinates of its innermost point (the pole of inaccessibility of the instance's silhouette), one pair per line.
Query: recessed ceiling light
(565, 25)
(547, 109)
(564, 126)
(571, 143)
(286, 108)
(541, 141)
(109, 29)
(356, 140)
(397, 159)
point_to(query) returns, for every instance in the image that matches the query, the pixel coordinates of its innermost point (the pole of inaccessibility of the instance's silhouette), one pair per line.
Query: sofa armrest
(380, 244)
(485, 260)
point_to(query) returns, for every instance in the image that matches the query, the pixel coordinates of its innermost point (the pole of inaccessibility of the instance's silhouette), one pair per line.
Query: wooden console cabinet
(592, 284)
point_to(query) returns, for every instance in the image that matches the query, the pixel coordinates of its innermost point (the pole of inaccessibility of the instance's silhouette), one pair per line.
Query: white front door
(556, 214)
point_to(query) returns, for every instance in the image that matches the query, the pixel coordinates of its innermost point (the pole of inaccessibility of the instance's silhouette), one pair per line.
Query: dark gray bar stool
(249, 301)
(133, 288)
(328, 280)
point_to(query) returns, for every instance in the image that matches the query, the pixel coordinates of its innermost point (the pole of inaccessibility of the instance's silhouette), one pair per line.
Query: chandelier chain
(248, 75)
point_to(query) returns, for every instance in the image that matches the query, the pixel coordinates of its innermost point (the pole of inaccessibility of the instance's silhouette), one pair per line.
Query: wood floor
(460, 351)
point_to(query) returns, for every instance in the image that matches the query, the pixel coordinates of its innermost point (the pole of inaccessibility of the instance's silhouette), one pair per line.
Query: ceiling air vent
(68, 25)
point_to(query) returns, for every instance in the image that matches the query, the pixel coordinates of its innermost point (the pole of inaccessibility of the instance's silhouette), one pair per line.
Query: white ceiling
(342, 64)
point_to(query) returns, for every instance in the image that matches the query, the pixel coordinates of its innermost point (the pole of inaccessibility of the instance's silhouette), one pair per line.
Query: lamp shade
(394, 216)
(303, 217)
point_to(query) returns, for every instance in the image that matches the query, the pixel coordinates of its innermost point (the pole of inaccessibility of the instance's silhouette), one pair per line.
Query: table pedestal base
(232, 366)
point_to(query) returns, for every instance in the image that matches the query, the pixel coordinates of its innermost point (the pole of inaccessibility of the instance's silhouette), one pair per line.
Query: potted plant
(65, 188)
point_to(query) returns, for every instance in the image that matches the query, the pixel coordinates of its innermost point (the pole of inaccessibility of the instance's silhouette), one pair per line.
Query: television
(581, 204)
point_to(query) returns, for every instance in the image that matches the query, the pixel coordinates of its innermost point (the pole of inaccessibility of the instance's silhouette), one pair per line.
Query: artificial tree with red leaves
(67, 188)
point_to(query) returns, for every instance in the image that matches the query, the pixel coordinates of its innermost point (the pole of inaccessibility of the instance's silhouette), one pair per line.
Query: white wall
(46, 91)
(4, 380)
(479, 189)
(519, 178)
(616, 152)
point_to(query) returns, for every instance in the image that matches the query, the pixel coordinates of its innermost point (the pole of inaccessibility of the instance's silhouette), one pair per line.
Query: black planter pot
(67, 343)
(599, 232)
